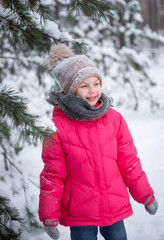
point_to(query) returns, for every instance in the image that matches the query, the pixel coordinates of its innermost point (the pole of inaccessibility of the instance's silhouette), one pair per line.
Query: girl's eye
(83, 86)
(96, 84)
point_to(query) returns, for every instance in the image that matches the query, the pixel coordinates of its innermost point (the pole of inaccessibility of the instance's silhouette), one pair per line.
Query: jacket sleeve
(52, 179)
(130, 166)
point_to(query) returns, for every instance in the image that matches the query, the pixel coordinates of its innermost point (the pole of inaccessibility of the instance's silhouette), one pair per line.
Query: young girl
(91, 160)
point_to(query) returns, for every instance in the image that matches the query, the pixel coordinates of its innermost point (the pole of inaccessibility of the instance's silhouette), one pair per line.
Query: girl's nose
(91, 89)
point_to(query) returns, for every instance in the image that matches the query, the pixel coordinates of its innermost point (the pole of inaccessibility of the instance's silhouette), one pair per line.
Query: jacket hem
(103, 223)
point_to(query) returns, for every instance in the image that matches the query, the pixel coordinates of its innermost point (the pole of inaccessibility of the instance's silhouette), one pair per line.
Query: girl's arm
(130, 166)
(52, 179)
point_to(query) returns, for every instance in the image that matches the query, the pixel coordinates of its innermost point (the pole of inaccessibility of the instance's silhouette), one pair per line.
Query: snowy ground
(148, 133)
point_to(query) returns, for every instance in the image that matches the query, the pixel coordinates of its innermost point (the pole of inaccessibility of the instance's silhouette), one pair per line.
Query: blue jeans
(114, 232)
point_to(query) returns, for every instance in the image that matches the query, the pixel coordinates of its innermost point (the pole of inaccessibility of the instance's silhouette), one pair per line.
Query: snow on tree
(10, 221)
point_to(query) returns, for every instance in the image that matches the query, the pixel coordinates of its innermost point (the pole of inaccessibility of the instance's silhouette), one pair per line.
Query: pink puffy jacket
(87, 171)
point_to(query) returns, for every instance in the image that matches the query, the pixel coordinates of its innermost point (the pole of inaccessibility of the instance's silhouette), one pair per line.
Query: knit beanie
(70, 69)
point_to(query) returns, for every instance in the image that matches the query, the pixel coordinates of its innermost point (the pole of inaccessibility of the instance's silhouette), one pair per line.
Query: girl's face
(90, 90)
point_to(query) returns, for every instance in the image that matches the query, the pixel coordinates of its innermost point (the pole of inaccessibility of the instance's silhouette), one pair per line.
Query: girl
(91, 160)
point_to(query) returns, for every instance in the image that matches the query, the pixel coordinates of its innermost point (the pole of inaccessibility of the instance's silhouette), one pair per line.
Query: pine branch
(94, 8)
(46, 13)
(19, 12)
(13, 165)
(24, 8)
(8, 215)
(4, 154)
(4, 130)
(30, 35)
(79, 47)
(22, 27)
(14, 107)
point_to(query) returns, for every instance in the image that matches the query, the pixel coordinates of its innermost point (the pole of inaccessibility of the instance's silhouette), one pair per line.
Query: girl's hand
(152, 208)
(50, 226)
(53, 232)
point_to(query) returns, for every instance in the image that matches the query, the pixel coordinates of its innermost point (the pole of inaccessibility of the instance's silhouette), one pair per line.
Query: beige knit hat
(70, 69)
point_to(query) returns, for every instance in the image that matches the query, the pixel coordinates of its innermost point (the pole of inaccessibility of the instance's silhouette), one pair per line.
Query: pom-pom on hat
(70, 69)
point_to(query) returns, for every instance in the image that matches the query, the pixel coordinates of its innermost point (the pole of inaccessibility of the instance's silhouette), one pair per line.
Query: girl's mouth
(91, 98)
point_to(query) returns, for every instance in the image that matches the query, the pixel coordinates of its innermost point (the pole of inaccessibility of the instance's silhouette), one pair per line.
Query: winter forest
(129, 51)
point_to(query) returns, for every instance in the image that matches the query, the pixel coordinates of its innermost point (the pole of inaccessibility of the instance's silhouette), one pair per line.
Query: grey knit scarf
(77, 108)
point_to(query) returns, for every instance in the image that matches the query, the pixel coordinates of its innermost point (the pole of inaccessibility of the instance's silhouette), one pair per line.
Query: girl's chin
(92, 103)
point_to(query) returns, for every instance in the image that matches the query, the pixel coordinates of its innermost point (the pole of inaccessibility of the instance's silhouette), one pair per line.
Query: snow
(65, 36)
(15, 226)
(138, 17)
(52, 29)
